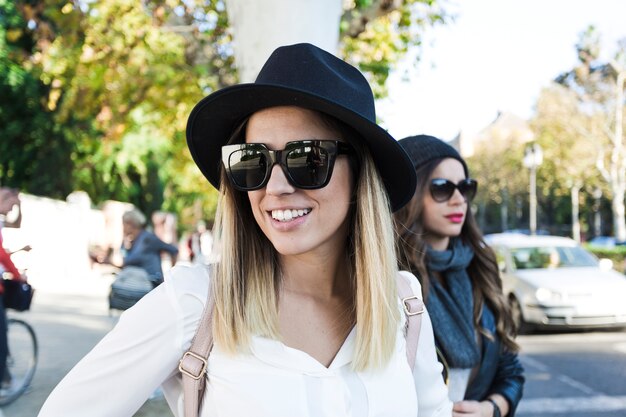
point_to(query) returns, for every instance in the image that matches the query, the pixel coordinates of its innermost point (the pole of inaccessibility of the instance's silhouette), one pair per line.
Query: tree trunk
(618, 175)
(575, 192)
(259, 27)
(504, 210)
(482, 215)
(617, 205)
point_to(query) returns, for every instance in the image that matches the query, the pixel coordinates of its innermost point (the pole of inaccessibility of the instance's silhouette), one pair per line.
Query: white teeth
(287, 215)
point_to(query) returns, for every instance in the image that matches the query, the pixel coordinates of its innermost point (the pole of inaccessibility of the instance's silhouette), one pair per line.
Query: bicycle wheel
(21, 361)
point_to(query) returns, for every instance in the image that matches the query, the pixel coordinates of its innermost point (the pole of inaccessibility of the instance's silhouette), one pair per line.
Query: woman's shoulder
(189, 280)
(412, 280)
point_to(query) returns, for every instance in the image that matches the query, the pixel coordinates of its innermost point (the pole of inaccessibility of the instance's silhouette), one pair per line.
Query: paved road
(576, 374)
(67, 327)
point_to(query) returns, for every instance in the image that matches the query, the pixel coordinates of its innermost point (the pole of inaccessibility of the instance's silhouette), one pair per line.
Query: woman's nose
(457, 197)
(278, 182)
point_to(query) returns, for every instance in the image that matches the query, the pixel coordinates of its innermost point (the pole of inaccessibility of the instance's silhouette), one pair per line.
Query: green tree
(599, 89)
(376, 34)
(30, 142)
(103, 90)
(569, 152)
(496, 162)
(114, 87)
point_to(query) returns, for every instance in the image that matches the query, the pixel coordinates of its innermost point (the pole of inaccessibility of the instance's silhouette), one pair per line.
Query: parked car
(605, 242)
(527, 231)
(552, 282)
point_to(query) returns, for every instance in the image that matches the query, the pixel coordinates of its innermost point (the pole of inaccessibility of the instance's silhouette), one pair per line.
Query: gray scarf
(451, 306)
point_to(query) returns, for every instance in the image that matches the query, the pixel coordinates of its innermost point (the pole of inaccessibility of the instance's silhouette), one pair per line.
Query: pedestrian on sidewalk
(141, 249)
(441, 243)
(200, 244)
(307, 318)
(9, 198)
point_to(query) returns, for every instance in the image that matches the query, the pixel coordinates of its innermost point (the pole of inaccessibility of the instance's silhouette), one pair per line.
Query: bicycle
(22, 354)
(21, 360)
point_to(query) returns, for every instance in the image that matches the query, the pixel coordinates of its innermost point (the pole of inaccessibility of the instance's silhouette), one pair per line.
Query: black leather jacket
(499, 371)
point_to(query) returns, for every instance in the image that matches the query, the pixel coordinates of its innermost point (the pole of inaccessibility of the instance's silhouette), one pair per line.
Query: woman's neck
(439, 243)
(323, 278)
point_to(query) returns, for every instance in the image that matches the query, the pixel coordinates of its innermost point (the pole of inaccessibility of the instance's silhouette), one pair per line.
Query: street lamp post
(533, 157)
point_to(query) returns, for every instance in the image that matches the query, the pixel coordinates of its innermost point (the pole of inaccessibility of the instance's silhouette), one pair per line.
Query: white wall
(60, 234)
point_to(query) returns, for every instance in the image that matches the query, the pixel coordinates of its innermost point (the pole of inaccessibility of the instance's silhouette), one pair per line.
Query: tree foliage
(576, 125)
(598, 88)
(98, 97)
(94, 95)
(376, 34)
(496, 163)
(570, 153)
(562, 131)
(31, 143)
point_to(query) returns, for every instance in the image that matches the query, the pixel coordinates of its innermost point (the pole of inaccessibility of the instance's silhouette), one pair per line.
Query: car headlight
(544, 294)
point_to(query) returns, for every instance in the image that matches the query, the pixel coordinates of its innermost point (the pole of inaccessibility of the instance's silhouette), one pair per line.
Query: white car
(552, 281)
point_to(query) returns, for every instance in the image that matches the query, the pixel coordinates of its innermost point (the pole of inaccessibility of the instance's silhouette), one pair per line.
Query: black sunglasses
(442, 189)
(307, 164)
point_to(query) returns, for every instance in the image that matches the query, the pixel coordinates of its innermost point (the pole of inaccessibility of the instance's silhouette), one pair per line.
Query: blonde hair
(247, 280)
(377, 311)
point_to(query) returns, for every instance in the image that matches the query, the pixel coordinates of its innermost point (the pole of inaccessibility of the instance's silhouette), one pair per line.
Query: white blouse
(143, 350)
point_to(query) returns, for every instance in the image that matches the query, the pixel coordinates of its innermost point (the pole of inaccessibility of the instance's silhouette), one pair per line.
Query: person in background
(441, 244)
(307, 320)
(9, 198)
(200, 244)
(140, 248)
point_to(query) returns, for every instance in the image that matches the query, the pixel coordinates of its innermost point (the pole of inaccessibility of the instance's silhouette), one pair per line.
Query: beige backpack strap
(413, 309)
(193, 364)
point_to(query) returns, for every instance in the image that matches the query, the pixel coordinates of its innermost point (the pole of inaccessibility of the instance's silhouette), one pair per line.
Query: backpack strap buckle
(413, 306)
(192, 365)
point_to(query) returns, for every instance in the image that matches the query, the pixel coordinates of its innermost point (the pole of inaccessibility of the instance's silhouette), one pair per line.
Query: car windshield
(552, 257)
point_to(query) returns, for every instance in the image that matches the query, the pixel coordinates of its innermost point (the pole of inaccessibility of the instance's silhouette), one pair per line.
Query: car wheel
(518, 317)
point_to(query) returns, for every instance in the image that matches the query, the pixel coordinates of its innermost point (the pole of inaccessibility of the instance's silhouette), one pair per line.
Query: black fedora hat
(306, 76)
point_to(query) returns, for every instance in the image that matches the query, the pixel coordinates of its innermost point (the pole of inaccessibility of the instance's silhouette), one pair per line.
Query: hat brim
(214, 118)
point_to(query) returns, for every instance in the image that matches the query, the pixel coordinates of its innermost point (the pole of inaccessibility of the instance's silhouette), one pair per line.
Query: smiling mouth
(288, 215)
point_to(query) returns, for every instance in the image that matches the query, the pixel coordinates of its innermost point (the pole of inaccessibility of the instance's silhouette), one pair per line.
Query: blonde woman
(307, 319)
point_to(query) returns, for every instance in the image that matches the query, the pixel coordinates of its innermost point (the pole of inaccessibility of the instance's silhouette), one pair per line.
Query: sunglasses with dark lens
(307, 164)
(442, 190)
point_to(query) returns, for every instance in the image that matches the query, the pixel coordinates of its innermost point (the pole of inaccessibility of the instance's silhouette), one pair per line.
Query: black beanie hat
(423, 149)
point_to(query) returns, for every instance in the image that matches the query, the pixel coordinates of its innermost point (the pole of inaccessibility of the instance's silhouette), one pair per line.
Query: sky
(495, 56)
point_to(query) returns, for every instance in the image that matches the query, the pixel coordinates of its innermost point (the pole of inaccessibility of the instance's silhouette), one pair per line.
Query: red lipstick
(455, 218)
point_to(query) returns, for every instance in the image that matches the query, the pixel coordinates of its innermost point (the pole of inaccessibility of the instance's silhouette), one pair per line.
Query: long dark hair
(483, 269)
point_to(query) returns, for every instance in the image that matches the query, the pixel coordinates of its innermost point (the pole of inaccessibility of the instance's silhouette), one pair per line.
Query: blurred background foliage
(616, 254)
(576, 122)
(94, 95)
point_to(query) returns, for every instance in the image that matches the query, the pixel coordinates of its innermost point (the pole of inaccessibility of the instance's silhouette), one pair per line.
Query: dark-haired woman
(442, 245)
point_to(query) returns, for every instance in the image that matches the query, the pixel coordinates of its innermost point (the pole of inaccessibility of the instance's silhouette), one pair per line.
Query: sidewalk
(69, 320)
